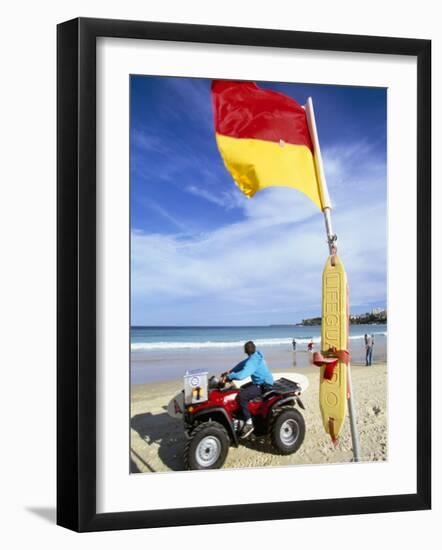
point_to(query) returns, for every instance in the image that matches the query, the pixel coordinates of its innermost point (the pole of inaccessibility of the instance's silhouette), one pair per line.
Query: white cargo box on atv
(195, 386)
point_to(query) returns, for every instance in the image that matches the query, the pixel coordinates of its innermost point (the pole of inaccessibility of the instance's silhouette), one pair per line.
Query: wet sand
(157, 440)
(160, 365)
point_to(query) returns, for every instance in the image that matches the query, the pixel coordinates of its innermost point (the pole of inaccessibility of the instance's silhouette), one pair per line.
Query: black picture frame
(76, 273)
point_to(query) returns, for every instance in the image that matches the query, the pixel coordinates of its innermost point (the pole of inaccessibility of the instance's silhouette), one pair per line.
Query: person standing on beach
(294, 344)
(310, 346)
(255, 367)
(369, 343)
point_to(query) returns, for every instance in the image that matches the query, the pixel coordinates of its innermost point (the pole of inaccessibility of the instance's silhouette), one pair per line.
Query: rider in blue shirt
(255, 367)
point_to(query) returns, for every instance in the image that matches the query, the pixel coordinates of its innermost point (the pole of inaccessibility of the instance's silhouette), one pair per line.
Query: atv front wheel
(207, 447)
(287, 431)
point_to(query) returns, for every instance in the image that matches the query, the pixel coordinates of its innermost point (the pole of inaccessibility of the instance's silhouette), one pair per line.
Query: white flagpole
(323, 189)
(331, 239)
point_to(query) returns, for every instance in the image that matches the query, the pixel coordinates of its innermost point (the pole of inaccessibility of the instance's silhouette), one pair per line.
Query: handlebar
(216, 383)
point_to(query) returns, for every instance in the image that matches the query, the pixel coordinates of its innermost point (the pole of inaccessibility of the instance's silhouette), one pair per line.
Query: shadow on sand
(261, 444)
(168, 434)
(164, 431)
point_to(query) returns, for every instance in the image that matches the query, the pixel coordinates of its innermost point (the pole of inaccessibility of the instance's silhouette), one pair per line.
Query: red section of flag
(243, 110)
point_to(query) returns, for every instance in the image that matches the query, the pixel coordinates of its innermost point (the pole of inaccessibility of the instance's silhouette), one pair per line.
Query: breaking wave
(151, 346)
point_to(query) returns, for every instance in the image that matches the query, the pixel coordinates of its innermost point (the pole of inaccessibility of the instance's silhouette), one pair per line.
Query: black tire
(207, 447)
(287, 431)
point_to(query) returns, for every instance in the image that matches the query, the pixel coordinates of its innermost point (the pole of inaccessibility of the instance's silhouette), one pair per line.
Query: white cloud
(184, 227)
(355, 167)
(146, 142)
(224, 199)
(250, 268)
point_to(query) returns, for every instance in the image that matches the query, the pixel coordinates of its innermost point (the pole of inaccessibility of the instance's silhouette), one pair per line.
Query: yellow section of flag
(256, 164)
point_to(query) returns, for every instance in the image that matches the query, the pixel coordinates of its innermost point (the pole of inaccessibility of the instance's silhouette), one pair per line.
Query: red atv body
(214, 425)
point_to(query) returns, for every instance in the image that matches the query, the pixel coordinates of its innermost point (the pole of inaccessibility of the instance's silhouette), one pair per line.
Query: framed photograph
(243, 274)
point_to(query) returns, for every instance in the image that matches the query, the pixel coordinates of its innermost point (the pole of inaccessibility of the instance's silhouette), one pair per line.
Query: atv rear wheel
(207, 447)
(287, 431)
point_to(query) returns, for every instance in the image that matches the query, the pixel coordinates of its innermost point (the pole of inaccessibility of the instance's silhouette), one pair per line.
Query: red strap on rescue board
(330, 359)
(331, 430)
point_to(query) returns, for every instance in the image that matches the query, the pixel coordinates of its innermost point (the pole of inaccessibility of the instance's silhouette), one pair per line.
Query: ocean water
(165, 353)
(154, 339)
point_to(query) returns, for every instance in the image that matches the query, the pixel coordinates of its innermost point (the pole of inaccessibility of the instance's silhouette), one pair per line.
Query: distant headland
(376, 317)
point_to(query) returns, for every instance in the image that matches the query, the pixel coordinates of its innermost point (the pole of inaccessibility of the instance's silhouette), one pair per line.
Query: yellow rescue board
(334, 334)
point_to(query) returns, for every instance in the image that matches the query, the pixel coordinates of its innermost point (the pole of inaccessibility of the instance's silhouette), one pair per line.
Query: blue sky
(204, 254)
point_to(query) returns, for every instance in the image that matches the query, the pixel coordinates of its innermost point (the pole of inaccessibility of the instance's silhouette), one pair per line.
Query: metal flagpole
(331, 240)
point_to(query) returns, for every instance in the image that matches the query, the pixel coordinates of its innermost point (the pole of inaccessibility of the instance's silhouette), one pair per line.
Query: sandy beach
(157, 440)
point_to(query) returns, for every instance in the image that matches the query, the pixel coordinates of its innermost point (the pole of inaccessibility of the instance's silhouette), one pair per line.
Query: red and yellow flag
(264, 140)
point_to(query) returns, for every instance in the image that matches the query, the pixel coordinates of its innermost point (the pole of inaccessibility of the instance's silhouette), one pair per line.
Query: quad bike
(212, 418)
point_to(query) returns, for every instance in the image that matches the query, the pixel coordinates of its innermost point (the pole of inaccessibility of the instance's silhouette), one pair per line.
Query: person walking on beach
(369, 343)
(294, 344)
(310, 346)
(255, 367)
